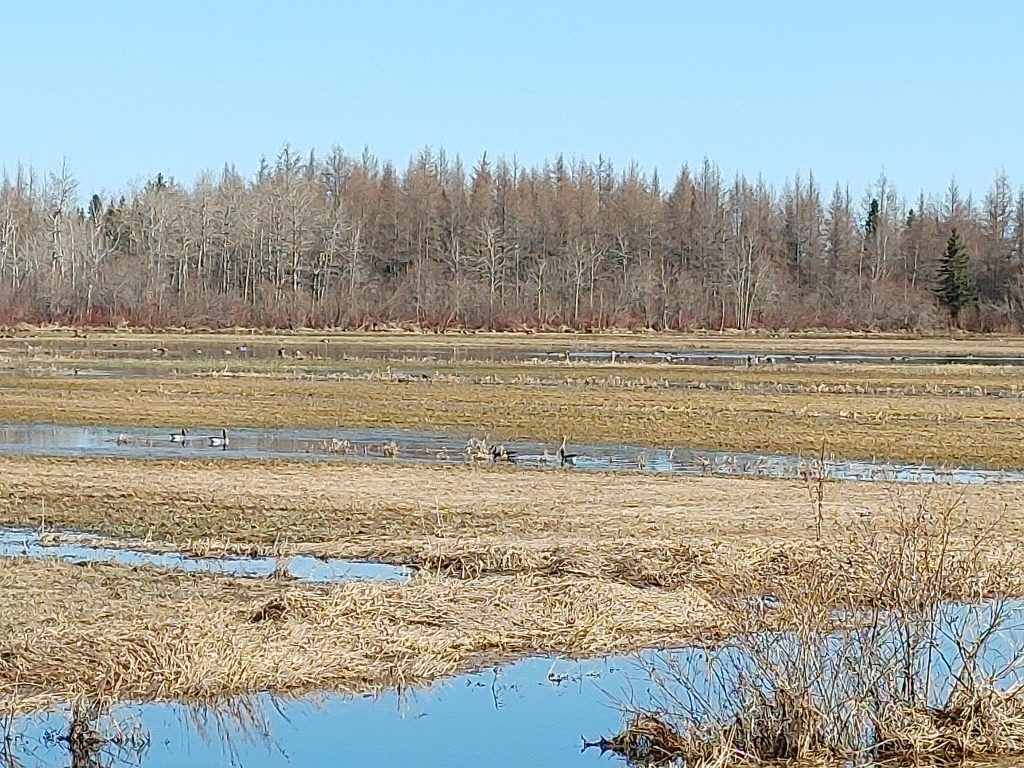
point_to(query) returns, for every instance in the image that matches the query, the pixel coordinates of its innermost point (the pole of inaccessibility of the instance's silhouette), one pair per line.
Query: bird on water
(566, 458)
(220, 441)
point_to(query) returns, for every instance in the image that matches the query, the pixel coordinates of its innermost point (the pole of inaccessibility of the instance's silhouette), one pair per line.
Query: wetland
(361, 535)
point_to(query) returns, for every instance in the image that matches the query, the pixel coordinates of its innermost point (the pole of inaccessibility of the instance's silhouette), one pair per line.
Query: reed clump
(921, 662)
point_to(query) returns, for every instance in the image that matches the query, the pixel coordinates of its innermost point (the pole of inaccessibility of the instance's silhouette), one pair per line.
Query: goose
(566, 458)
(220, 441)
(499, 454)
(179, 437)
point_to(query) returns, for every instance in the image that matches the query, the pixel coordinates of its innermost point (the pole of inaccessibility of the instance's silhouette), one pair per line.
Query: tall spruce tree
(958, 289)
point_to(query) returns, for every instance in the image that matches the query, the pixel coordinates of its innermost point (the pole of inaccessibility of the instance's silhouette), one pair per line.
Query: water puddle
(760, 357)
(15, 543)
(446, 449)
(538, 711)
(531, 713)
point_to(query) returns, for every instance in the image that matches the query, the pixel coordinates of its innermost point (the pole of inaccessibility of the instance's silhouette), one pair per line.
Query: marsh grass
(467, 522)
(98, 635)
(929, 428)
(820, 340)
(921, 662)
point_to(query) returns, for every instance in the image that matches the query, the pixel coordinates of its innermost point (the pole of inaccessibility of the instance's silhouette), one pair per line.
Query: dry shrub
(909, 653)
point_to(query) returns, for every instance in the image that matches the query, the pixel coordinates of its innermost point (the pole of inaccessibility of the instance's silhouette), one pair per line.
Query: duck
(566, 458)
(219, 441)
(179, 437)
(122, 439)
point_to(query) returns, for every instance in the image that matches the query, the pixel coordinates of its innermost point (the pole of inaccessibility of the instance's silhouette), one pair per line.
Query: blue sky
(125, 88)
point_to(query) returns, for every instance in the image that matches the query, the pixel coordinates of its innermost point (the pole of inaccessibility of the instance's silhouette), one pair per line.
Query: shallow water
(509, 717)
(534, 712)
(450, 349)
(441, 448)
(760, 357)
(16, 543)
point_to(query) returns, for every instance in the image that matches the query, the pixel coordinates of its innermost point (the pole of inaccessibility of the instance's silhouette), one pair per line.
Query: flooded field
(510, 348)
(424, 447)
(385, 550)
(538, 711)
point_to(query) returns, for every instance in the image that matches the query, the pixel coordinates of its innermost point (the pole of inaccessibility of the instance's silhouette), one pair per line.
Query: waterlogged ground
(530, 713)
(456, 348)
(29, 544)
(427, 447)
(539, 711)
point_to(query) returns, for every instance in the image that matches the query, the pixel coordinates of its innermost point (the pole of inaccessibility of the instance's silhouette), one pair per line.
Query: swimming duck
(179, 437)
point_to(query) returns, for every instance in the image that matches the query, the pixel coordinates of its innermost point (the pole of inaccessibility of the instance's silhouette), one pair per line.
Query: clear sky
(125, 88)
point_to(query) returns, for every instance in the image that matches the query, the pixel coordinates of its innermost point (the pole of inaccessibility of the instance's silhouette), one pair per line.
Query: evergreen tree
(874, 213)
(958, 289)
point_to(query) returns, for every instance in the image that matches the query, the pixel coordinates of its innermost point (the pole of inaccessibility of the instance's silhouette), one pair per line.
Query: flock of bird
(182, 438)
(477, 450)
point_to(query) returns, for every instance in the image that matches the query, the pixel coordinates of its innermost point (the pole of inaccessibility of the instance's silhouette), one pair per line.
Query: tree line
(353, 242)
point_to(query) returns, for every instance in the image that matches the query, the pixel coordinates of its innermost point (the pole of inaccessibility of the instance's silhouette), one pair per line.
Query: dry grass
(468, 522)
(811, 341)
(109, 633)
(382, 365)
(902, 673)
(924, 428)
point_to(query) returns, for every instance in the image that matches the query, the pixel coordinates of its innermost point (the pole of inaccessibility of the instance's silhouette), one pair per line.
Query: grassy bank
(103, 633)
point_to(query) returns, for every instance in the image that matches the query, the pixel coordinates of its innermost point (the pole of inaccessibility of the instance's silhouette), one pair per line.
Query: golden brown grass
(107, 633)
(925, 428)
(901, 675)
(381, 365)
(466, 522)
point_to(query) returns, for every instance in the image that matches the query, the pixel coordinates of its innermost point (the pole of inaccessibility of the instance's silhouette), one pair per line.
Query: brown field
(931, 428)
(639, 529)
(509, 562)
